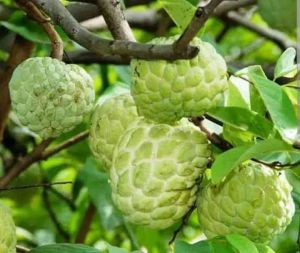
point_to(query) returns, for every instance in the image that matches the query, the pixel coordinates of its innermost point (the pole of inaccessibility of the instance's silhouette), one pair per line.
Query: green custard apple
(109, 121)
(166, 91)
(254, 201)
(50, 97)
(156, 170)
(7, 231)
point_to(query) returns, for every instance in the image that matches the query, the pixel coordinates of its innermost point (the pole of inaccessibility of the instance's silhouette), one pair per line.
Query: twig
(20, 51)
(23, 163)
(35, 13)
(232, 5)
(21, 249)
(36, 155)
(53, 217)
(183, 223)
(199, 19)
(96, 44)
(68, 201)
(64, 145)
(85, 224)
(22, 187)
(115, 19)
(282, 40)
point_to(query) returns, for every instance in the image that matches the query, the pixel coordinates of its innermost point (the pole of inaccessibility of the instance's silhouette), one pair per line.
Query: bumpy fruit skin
(254, 201)
(155, 172)
(50, 97)
(108, 123)
(7, 231)
(167, 91)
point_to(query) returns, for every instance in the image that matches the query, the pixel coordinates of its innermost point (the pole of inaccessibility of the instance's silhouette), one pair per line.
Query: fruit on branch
(167, 91)
(156, 170)
(7, 231)
(50, 97)
(254, 201)
(279, 14)
(109, 121)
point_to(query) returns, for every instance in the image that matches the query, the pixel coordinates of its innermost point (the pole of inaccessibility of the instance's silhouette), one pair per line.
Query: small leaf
(285, 64)
(113, 249)
(64, 248)
(183, 247)
(100, 193)
(220, 246)
(244, 119)
(279, 106)
(181, 11)
(241, 243)
(230, 159)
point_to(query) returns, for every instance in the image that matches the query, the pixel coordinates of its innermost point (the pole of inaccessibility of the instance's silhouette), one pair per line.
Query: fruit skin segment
(7, 231)
(50, 97)
(254, 201)
(156, 170)
(168, 91)
(109, 121)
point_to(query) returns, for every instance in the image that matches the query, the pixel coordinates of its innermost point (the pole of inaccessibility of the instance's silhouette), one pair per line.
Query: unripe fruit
(254, 201)
(109, 122)
(50, 97)
(166, 91)
(7, 231)
(156, 170)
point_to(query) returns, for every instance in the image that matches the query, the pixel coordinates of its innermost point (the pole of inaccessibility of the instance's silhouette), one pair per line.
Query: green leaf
(264, 248)
(183, 247)
(113, 249)
(100, 192)
(241, 243)
(244, 119)
(230, 159)
(64, 248)
(279, 106)
(181, 11)
(235, 97)
(285, 64)
(221, 246)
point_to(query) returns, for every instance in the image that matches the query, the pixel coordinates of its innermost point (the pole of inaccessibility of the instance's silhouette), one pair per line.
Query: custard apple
(155, 172)
(109, 121)
(7, 231)
(254, 201)
(167, 91)
(50, 97)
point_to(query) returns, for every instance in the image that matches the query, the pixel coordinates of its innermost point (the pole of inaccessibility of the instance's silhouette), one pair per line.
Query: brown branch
(24, 162)
(232, 5)
(45, 22)
(85, 224)
(53, 217)
(64, 145)
(115, 19)
(23, 187)
(281, 39)
(20, 51)
(200, 17)
(96, 44)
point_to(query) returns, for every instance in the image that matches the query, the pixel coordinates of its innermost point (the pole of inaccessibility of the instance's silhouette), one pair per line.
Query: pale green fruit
(156, 170)
(50, 97)
(254, 201)
(7, 231)
(166, 91)
(109, 122)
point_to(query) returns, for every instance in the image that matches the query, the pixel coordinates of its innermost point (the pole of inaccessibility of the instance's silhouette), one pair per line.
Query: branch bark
(115, 19)
(20, 51)
(101, 46)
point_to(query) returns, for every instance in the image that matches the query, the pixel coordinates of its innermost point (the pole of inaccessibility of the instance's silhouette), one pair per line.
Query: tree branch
(115, 19)
(45, 22)
(20, 51)
(85, 224)
(101, 46)
(232, 5)
(282, 40)
(200, 17)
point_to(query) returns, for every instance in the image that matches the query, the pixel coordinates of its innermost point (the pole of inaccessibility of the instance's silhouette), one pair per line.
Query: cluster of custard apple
(155, 157)
(8, 236)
